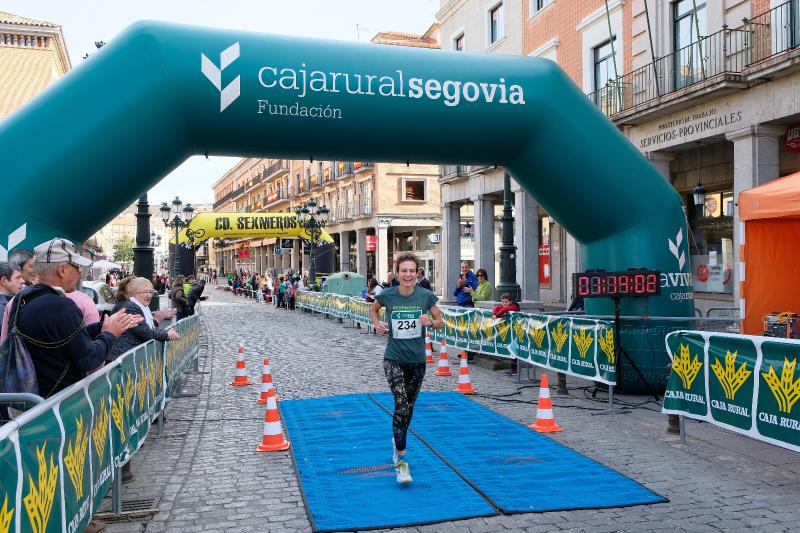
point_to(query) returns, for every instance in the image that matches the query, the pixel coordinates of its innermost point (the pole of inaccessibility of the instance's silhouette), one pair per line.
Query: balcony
(725, 60)
(362, 166)
(279, 167)
(276, 196)
(366, 206)
(342, 169)
(228, 197)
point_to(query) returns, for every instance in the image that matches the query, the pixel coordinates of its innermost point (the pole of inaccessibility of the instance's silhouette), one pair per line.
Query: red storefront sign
(792, 140)
(244, 252)
(372, 243)
(544, 264)
(271, 197)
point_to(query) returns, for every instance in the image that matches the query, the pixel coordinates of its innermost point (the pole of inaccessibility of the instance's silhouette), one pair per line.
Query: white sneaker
(394, 453)
(403, 473)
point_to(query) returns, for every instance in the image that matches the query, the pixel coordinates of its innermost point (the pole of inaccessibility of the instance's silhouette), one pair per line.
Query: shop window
(413, 190)
(711, 243)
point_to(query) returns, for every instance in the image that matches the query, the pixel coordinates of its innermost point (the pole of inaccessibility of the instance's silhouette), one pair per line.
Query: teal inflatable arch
(93, 142)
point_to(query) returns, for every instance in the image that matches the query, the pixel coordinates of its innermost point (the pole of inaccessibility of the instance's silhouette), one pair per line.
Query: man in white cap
(63, 349)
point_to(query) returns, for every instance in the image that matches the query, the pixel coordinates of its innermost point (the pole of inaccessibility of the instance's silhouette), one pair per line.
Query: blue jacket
(462, 296)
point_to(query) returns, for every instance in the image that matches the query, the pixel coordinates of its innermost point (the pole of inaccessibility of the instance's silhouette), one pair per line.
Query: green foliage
(123, 249)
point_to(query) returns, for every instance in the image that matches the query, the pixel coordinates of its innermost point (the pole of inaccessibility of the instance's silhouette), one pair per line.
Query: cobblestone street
(204, 474)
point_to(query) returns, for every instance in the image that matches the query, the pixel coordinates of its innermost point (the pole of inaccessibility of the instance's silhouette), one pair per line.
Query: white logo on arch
(14, 238)
(209, 69)
(674, 247)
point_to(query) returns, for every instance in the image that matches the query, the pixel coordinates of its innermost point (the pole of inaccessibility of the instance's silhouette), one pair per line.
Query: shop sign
(544, 264)
(244, 252)
(792, 140)
(271, 197)
(384, 222)
(434, 238)
(287, 243)
(372, 243)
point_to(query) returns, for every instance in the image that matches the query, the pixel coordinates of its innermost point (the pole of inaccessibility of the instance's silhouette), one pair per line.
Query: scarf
(148, 315)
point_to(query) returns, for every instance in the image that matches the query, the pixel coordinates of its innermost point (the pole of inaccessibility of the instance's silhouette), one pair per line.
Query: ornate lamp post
(180, 219)
(313, 219)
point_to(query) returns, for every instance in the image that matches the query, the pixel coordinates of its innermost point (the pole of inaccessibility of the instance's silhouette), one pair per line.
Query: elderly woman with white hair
(139, 292)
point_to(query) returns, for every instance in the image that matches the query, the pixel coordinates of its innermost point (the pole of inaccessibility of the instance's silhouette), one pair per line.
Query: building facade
(32, 56)
(705, 90)
(472, 196)
(377, 211)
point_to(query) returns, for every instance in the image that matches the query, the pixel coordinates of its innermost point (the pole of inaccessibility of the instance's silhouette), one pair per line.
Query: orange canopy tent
(769, 253)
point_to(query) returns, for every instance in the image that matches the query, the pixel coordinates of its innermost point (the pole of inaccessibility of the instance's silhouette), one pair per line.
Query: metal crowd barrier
(59, 458)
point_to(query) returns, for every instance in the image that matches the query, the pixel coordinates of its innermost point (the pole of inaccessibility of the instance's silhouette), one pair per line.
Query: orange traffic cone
(273, 440)
(464, 382)
(444, 365)
(266, 383)
(240, 380)
(544, 410)
(428, 349)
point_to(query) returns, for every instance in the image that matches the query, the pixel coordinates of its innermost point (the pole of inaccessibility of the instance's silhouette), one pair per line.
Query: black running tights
(405, 380)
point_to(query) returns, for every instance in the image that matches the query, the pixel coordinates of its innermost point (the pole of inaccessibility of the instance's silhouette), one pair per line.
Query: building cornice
(449, 9)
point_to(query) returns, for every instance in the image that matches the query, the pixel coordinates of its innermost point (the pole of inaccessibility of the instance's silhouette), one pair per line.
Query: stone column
(451, 249)
(661, 160)
(296, 255)
(382, 253)
(526, 239)
(755, 162)
(361, 251)
(344, 251)
(484, 236)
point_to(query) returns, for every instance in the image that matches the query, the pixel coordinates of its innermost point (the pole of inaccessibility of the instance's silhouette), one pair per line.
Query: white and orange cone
(266, 383)
(241, 379)
(444, 365)
(464, 382)
(545, 423)
(428, 349)
(273, 440)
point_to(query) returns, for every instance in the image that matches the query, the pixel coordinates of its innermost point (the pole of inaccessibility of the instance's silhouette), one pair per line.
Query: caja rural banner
(575, 346)
(57, 459)
(740, 382)
(245, 226)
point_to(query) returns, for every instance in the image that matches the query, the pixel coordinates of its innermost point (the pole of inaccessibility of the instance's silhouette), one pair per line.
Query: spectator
(123, 294)
(507, 304)
(391, 280)
(62, 348)
(140, 292)
(466, 279)
(11, 283)
(24, 261)
(178, 298)
(196, 295)
(373, 289)
(422, 281)
(111, 280)
(484, 291)
(86, 305)
(280, 289)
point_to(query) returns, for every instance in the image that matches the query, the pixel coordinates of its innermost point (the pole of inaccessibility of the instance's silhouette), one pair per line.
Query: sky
(85, 22)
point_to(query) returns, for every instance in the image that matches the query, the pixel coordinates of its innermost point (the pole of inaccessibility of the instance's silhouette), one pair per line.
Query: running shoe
(403, 473)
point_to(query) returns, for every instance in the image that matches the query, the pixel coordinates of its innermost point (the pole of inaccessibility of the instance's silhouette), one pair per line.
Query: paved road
(205, 475)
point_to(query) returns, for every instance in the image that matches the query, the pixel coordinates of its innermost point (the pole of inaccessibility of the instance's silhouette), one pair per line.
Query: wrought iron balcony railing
(728, 51)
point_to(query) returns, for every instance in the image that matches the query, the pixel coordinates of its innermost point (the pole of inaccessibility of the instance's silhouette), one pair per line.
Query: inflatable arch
(89, 145)
(244, 226)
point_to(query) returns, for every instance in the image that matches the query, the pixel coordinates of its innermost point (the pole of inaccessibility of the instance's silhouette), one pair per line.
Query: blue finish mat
(342, 450)
(517, 469)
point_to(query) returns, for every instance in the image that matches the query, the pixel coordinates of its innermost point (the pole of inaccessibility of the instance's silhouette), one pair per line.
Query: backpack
(17, 373)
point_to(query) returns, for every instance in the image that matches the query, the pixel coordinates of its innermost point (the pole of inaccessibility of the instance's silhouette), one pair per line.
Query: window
(711, 243)
(538, 5)
(603, 58)
(495, 23)
(413, 190)
(689, 27)
(458, 43)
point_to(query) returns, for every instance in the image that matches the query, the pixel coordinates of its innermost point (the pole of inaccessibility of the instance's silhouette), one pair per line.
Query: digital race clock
(632, 283)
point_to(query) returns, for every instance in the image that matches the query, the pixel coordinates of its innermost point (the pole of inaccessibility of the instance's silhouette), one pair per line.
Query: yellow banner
(245, 226)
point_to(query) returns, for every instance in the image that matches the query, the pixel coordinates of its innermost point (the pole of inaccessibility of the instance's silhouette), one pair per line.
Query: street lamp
(180, 219)
(699, 192)
(313, 218)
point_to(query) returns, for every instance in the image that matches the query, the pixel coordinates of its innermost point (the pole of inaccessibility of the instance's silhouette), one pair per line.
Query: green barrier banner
(740, 382)
(575, 346)
(57, 459)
